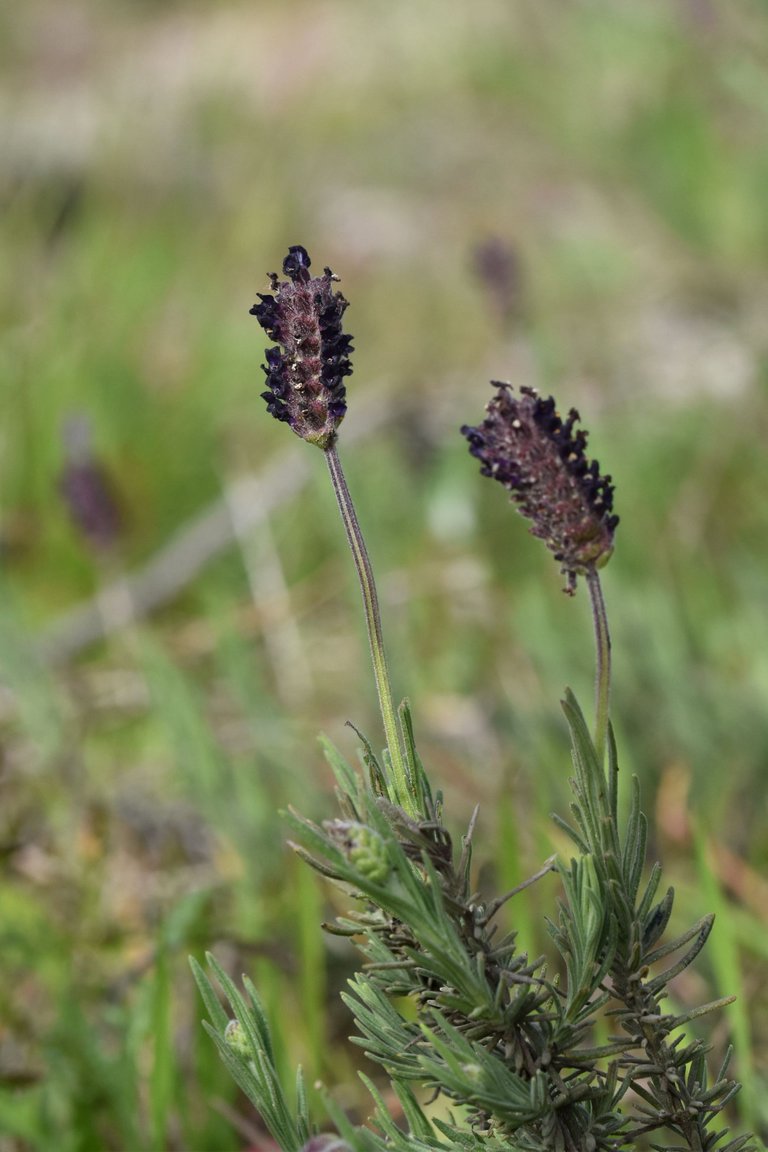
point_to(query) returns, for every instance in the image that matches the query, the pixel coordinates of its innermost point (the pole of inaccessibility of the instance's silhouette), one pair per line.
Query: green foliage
(155, 156)
(249, 1056)
(512, 1050)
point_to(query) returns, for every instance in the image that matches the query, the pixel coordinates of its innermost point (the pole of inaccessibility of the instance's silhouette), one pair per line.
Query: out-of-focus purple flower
(496, 263)
(539, 458)
(305, 373)
(87, 489)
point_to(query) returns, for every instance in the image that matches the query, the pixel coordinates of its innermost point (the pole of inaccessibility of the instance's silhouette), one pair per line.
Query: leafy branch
(513, 1050)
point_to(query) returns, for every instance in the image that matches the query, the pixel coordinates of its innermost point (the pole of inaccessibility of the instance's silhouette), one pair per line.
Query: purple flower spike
(305, 373)
(87, 490)
(539, 458)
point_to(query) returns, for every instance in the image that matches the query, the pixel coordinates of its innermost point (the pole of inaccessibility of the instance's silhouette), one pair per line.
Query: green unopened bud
(369, 855)
(236, 1039)
(364, 848)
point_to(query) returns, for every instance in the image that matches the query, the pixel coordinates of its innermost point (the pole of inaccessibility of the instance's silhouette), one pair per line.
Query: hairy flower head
(540, 459)
(305, 372)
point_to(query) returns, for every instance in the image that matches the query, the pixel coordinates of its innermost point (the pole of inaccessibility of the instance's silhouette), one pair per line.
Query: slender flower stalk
(305, 377)
(603, 672)
(402, 789)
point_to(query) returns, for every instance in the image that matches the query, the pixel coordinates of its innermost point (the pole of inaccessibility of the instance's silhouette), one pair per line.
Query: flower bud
(539, 458)
(305, 373)
(236, 1039)
(364, 848)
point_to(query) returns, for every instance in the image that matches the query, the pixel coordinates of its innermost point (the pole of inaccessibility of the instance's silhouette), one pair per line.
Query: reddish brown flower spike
(539, 458)
(305, 373)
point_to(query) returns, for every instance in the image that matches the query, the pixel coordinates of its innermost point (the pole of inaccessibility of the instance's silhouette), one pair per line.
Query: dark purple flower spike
(305, 373)
(539, 458)
(87, 489)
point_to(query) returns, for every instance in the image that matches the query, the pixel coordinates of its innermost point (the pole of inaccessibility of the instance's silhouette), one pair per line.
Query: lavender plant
(511, 1048)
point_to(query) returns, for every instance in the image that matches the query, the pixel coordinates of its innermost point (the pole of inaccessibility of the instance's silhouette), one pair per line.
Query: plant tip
(540, 459)
(306, 370)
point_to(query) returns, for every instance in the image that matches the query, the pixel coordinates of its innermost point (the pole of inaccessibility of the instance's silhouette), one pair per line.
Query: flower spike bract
(305, 372)
(540, 459)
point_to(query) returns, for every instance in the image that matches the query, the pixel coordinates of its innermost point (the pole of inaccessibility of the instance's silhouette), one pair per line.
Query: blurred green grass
(157, 160)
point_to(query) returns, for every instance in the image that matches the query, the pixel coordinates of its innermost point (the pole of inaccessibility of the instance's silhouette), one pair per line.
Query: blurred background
(564, 193)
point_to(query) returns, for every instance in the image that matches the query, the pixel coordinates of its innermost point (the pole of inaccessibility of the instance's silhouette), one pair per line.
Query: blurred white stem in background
(211, 531)
(114, 602)
(270, 592)
(201, 538)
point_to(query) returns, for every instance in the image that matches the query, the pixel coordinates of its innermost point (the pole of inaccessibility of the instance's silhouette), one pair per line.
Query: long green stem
(402, 790)
(603, 675)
